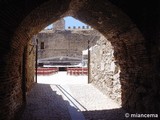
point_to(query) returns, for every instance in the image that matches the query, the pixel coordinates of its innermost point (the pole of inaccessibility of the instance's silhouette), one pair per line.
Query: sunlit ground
(60, 96)
(62, 78)
(69, 85)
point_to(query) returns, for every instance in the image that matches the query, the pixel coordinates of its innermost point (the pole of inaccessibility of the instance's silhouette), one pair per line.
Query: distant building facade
(64, 46)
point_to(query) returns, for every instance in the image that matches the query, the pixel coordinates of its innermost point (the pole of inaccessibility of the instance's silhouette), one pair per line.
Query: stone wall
(68, 43)
(59, 25)
(104, 71)
(30, 66)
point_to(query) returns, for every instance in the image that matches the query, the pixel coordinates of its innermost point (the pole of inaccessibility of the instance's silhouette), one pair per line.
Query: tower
(59, 25)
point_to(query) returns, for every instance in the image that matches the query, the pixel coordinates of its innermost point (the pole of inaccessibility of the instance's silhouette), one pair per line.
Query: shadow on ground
(44, 103)
(112, 114)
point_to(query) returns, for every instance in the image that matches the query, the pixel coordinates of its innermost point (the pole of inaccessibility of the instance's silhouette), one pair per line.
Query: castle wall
(64, 43)
(105, 73)
(59, 25)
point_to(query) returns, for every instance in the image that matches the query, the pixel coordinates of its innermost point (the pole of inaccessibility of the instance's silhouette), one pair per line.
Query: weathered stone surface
(104, 70)
(65, 43)
(30, 66)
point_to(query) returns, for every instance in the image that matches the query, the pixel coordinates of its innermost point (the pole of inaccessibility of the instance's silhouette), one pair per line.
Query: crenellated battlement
(79, 28)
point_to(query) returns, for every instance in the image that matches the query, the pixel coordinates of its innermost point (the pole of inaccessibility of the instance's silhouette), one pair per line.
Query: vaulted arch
(138, 91)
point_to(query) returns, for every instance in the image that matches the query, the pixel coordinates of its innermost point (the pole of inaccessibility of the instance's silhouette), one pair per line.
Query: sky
(70, 21)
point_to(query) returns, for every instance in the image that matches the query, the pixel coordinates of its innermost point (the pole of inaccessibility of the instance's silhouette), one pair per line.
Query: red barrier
(77, 71)
(47, 71)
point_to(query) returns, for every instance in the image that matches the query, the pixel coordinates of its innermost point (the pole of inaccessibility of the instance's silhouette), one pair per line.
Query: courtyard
(67, 97)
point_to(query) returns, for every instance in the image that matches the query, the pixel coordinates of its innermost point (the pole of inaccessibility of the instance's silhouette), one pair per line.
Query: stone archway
(128, 43)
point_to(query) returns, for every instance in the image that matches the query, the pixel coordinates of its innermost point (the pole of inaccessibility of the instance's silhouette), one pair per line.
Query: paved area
(45, 103)
(56, 100)
(62, 78)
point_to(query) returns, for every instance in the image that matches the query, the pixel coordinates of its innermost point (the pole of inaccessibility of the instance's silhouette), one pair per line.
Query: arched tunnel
(132, 27)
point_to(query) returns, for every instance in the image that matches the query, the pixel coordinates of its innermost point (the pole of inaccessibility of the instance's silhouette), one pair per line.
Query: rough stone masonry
(105, 72)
